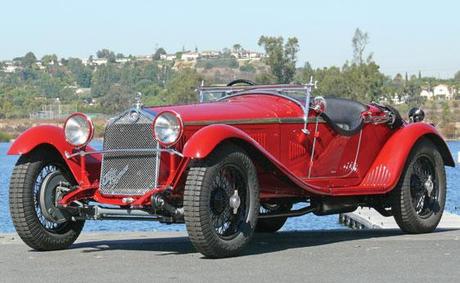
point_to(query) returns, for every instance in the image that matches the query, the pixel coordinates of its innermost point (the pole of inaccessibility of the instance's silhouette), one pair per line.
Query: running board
(292, 213)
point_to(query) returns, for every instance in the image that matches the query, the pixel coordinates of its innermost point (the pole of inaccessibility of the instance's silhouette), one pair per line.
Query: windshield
(216, 94)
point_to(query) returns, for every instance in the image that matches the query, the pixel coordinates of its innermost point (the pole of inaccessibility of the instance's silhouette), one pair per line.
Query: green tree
(160, 51)
(49, 59)
(29, 59)
(118, 98)
(103, 78)
(359, 42)
(237, 47)
(457, 76)
(81, 73)
(281, 57)
(181, 87)
(107, 54)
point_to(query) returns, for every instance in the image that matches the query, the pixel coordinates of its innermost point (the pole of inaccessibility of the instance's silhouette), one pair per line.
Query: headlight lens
(167, 128)
(78, 129)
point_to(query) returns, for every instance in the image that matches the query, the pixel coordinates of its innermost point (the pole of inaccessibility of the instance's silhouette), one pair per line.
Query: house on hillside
(248, 55)
(210, 54)
(10, 67)
(168, 57)
(144, 58)
(439, 92)
(427, 94)
(443, 92)
(190, 56)
(99, 61)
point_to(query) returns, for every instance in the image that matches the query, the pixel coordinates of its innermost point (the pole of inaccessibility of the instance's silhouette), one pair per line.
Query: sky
(405, 36)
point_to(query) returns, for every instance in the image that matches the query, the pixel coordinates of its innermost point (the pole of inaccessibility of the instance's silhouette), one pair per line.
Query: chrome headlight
(78, 129)
(167, 128)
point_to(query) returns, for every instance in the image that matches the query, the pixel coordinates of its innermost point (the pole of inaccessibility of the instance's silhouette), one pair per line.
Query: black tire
(207, 202)
(271, 225)
(419, 198)
(37, 231)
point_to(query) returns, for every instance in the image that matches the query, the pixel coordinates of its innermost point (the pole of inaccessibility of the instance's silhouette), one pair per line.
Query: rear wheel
(271, 225)
(418, 200)
(221, 202)
(39, 223)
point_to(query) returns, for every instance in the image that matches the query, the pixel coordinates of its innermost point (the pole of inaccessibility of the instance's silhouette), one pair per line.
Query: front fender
(39, 135)
(384, 173)
(54, 136)
(203, 142)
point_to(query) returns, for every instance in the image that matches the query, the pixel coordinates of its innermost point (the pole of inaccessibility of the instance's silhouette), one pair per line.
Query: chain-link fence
(53, 111)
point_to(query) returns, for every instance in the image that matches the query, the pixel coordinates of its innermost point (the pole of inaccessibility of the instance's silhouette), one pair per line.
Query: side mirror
(319, 104)
(416, 115)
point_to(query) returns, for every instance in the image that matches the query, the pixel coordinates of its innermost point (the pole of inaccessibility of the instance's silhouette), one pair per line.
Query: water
(307, 222)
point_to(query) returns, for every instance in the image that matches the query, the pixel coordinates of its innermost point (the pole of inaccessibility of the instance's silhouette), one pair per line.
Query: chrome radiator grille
(125, 172)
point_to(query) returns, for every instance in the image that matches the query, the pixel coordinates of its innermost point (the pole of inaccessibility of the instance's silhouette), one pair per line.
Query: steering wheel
(241, 81)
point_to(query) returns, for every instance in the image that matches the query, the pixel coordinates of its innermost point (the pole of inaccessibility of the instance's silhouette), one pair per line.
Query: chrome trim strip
(255, 121)
(139, 150)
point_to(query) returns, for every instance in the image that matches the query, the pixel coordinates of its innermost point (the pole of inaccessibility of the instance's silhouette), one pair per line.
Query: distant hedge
(4, 137)
(226, 62)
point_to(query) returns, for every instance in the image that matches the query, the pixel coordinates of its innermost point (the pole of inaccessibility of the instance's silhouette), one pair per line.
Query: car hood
(244, 107)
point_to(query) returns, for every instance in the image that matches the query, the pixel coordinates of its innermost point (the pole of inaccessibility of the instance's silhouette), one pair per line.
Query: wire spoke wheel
(228, 183)
(424, 187)
(417, 202)
(221, 202)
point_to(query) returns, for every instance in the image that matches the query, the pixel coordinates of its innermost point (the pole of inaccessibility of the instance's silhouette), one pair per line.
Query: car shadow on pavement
(260, 244)
(166, 245)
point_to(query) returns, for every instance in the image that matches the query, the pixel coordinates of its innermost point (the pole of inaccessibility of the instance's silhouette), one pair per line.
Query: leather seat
(344, 115)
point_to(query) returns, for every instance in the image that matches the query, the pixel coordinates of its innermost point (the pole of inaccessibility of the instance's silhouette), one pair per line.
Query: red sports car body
(233, 165)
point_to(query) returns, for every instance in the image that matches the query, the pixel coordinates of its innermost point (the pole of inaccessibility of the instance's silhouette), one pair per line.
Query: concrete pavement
(324, 256)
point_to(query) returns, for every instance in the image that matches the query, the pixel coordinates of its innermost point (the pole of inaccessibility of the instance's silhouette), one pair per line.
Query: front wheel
(221, 202)
(418, 200)
(39, 223)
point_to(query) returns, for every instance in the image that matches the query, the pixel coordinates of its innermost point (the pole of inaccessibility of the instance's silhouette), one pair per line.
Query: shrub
(4, 137)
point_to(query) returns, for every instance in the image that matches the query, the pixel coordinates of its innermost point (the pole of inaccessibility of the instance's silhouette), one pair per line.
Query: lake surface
(307, 222)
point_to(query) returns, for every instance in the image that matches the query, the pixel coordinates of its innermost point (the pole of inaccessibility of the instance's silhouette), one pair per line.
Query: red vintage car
(227, 167)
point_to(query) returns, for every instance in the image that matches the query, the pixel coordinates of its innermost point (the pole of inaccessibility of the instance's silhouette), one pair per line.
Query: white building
(144, 58)
(439, 92)
(210, 54)
(190, 56)
(427, 94)
(248, 54)
(443, 92)
(99, 61)
(168, 57)
(10, 67)
(122, 60)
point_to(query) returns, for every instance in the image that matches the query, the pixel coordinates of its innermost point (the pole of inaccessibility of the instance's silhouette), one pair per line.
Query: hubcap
(235, 201)
(424, 187)
(45, 185)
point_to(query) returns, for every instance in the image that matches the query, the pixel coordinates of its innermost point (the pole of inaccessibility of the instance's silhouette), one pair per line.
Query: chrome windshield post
(308, 89)
(200, 91)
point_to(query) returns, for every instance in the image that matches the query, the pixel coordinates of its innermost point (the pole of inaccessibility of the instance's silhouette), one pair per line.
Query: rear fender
(54, 136)
(384, 173)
